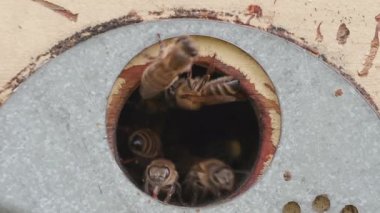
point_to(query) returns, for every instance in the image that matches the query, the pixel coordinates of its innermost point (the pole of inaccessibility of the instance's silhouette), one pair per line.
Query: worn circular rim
(129, 80)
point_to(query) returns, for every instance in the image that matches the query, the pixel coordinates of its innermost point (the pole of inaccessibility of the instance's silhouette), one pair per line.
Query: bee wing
(220, 80)
(226, 85)
(210, 99)
(217, 99)
(221, 90)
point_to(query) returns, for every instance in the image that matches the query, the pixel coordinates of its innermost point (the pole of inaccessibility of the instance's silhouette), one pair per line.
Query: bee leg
(216, 193)
(211, 68)
(155, 192)
(203, 194)
(149, 57)
(127, 161)
(179, 193)
(188, 80)
(169, 194)
(194, 198)
(202, 82)
(146, 187)
(162, 45)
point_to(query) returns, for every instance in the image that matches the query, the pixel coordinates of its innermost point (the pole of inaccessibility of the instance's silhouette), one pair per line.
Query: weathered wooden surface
(30, 29)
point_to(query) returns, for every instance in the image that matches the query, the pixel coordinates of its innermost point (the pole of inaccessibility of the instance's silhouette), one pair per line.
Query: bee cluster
(180, 137)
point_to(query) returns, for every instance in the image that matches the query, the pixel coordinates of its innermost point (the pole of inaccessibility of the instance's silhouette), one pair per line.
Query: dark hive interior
(228, 132)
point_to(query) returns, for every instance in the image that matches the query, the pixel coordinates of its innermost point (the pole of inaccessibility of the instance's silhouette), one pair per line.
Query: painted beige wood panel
(29, 29)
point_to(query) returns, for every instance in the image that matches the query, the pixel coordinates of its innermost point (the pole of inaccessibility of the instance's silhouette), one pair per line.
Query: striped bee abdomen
(155, 79)
(224, 86)
(145, 143)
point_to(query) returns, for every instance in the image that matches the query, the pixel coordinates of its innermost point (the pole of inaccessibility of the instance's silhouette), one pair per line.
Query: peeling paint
(281, 32)
(62, 46)
(372, 51)
(133, 17)
(342, 34)
(196, 13)
(254, 11)
(319, 36)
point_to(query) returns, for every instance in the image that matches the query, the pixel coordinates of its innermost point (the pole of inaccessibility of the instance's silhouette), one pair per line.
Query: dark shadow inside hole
(228, 132)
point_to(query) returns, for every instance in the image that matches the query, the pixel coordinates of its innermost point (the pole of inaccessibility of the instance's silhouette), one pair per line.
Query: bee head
(159, 171)
(188, 45)
(223, 178)
(158, 174)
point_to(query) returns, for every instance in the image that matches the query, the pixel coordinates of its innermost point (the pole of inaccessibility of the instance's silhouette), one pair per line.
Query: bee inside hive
(188, 135)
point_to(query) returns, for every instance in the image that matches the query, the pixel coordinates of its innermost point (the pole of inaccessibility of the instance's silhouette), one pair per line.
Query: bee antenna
(211, 68)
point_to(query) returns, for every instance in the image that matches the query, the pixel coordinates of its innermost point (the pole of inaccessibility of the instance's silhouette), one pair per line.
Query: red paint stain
(342, 34)
(368, 63)
(338, 92)
(319, 36)
(58, 9)
(254, 11)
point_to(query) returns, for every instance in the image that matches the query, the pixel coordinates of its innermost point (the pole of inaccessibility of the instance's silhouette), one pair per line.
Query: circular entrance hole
(229, 144)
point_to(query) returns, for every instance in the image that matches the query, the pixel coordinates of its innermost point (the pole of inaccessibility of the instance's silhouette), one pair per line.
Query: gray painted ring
(54, 156)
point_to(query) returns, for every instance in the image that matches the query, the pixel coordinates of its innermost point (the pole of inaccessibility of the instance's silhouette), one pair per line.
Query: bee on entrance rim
(162, 176)
(208, 177)
(173, 60)
(192, 93)
(204, 93)
(145, 145)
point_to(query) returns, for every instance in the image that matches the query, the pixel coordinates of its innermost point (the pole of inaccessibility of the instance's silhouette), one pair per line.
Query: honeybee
(145, 144)
(209, 177)
(173, 60)
(161, 176)
(192, 94)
